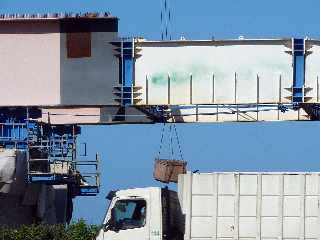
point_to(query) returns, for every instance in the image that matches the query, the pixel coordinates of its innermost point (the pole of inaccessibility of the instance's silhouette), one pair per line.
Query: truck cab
(142, 214)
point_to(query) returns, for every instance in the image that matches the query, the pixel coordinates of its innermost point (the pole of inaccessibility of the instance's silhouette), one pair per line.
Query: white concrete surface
(202, 60)
(30, 69)
(90, 81)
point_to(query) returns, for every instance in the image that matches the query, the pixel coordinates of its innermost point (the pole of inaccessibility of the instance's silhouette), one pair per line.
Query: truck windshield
(129, 214)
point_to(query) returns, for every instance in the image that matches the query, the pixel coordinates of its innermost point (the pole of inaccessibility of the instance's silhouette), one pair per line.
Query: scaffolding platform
(51, 151)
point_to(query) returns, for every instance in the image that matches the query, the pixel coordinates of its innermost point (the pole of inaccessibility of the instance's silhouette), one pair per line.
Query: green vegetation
(75, 231)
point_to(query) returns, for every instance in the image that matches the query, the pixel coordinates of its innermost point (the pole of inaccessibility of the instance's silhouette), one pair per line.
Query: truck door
(128, 220)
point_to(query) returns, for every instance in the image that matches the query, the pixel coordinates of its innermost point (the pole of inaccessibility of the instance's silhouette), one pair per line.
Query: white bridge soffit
(179, 114)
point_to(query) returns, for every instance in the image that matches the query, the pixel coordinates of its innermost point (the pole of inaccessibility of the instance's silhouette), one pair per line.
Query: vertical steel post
(191, 86)
(258, 96)
(213, 88)
(280, 97)
(280, 88)
(169, 96)
(317, 89)
(235, 94)
(235, 87)
(147, 90)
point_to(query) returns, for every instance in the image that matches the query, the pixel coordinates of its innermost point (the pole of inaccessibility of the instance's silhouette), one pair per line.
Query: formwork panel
(270, 227)
(248, 206)
(215, 71)
(203, 184)
(247, 227)
(225, 227)
(202, 227)
(203, 206)
(270, 206)
(311, 207)
(226, 206)
(312, 227)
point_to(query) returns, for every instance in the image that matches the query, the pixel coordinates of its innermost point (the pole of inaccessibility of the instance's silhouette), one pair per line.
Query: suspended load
(167, 170)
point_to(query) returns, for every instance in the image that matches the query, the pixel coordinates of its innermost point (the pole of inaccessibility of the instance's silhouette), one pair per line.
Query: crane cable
(173, 133)
(166, 20)
(178, 141)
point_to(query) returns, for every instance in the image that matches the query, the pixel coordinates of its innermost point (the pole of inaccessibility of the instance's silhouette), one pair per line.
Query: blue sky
(128, 152)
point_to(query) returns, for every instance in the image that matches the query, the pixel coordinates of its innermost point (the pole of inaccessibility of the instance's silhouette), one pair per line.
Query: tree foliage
(75, 231)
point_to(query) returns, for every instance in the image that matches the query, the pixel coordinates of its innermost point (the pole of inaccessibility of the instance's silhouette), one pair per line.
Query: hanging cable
(161, 139)
(178, 141)
(167, 170)
(172, 137)
(166, 20)
(171, 141)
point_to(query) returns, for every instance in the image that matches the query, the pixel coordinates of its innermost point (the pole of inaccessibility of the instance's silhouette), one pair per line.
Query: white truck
(219, 206)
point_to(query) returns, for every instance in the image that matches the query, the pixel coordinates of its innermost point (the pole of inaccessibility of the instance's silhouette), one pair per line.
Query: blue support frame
(47, 143)
(125, 54)
(298, 51)
(127, 58)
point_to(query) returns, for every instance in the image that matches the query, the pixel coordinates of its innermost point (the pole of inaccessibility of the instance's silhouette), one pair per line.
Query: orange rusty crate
(168, 170)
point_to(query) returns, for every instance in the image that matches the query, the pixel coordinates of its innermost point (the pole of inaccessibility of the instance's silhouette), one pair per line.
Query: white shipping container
(250, 205)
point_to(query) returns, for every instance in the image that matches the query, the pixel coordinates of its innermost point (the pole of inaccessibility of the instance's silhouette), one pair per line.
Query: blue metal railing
(51, 151)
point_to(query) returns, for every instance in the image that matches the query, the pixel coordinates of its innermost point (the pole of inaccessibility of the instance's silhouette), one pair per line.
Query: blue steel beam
(298, 51)
(125, 55)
